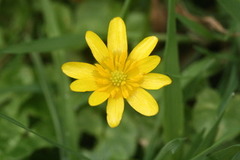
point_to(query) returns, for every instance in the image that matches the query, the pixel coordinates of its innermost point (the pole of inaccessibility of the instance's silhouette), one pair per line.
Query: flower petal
(78, 70)
(117, 38)
(97, 98)
(98, 48)
(83, 85)
(143, 102)
(115, 109)
(155, 81)
(147, 64)
(144, 48)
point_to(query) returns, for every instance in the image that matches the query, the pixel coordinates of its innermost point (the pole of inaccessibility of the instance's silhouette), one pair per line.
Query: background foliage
(40, 118)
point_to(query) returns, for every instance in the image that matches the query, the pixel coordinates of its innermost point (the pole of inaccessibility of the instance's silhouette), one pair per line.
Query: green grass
(199, 111)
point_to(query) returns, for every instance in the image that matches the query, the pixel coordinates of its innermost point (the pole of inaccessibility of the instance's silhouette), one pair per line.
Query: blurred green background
(40, 118)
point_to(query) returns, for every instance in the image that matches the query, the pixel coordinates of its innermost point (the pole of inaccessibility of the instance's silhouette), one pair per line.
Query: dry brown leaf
(208, 21)
(214, 24)
(158, 16)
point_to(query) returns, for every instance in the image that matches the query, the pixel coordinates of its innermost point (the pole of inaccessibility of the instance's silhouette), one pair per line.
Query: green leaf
(47, 44)
(95, 15)
(19, 124)
(222, 55)
(209, 139)
(226, 153)
(94, 126)
(25, 145)
(170, 148)
(237, 156)
(199, 29)
(232, 84)
(232, 7)
(125, 8)
(134, 30)
(117, 143)
(196, 70)
(197, 138)
(22, 144)
(204, 112)
(207, 145)
(1, 37)
(173, 115)
(204, 117)
(230, 120)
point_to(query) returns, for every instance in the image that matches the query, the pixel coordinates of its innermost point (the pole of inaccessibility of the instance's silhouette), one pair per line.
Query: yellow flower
(117, 76)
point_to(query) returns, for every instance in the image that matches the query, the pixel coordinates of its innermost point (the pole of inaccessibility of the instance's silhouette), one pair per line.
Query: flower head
(117, 76)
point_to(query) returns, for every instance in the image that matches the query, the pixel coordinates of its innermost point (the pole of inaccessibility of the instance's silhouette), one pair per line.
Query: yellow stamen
(118, 78)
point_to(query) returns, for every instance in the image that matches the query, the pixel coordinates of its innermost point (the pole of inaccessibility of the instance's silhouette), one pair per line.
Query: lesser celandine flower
(116, 75)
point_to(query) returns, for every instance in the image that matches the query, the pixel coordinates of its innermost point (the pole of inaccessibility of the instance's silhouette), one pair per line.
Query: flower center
(118, 78)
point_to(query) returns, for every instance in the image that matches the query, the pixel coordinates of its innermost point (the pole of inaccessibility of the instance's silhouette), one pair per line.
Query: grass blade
(209, 139)
(237, 156)
(199, 29)
(173, 116)
(46, 44)
(125, 8)
(230, 88)
(65, 111)
(232, 7)
(226, 153)
(47, 95)
(170, 148)
(17, 123)
(195, 143)
(196, 69)
(208, 142)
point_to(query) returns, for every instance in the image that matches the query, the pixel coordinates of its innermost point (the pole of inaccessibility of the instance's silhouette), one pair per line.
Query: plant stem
(173, 115)
(125, 8)
(47, 95)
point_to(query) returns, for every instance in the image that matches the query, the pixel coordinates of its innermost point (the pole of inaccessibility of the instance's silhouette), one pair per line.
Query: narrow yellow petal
(115, 109)
(144, 48)
(97, 98)
(98, 48)
(78, 70)
(143, 102)
(117, 38)
(83, 85)
(155, 81)
(147, 64)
